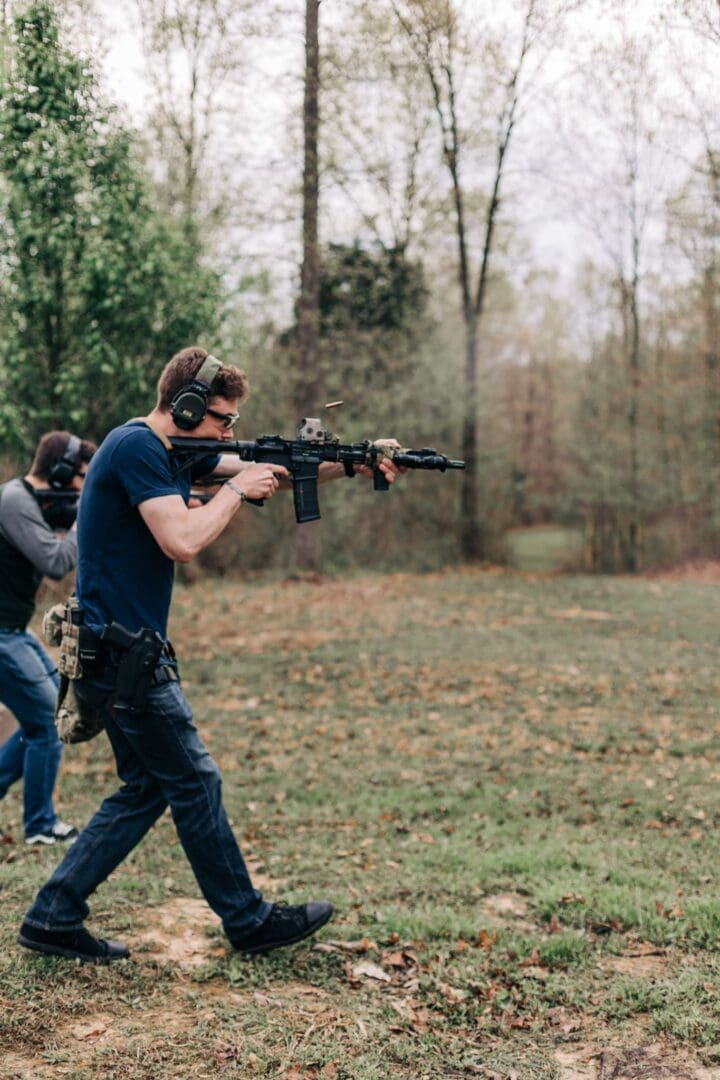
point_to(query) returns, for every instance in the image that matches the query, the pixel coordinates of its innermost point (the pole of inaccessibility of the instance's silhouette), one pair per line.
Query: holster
(138, 658)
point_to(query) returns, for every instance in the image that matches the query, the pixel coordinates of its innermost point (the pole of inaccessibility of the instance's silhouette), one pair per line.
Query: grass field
(545, 548)
(507, 786)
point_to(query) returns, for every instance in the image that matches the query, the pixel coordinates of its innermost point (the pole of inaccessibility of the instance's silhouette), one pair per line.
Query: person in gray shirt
(30, 549)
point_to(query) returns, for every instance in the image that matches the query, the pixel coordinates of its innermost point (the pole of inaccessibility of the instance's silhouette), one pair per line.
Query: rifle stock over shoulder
(303, 455)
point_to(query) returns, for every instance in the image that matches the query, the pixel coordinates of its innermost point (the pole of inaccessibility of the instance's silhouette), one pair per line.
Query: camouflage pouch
(52, 624)
(69, 659)
(75, 720)
(61, 626)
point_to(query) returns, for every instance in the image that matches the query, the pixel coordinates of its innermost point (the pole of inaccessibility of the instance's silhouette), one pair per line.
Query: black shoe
(75, 944)
(285, 925)
(59, 832)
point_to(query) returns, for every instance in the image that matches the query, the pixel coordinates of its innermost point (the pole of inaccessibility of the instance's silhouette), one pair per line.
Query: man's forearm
(205, 523)
(181, 532)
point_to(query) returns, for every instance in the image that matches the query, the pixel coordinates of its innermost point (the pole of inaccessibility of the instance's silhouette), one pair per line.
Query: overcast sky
(560, 236)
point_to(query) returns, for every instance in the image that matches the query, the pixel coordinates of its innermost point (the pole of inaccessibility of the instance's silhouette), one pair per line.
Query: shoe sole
(317, 925)
(70, 954)
(49, 841)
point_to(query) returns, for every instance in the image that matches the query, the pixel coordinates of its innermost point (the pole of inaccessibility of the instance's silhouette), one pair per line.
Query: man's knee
(140, 790)
(201, 783)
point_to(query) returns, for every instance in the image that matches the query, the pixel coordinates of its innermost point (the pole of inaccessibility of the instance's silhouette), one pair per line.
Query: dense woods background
(489, 228)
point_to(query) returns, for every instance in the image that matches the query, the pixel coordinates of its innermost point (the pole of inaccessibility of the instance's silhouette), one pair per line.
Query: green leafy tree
(98, 288)
(372, 319)
(365, 289)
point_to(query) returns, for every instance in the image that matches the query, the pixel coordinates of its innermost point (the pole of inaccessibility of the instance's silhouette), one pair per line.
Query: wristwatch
(237, 490)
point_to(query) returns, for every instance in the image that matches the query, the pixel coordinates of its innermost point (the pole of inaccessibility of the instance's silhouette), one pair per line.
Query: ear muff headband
(61, 473)
(189, 405)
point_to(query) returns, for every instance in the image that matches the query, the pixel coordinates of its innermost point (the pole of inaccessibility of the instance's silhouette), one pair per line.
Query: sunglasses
(228, 419)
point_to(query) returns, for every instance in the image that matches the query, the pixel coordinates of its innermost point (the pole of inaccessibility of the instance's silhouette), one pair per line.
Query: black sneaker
(286, 924)
(60, 832)
(75, 944)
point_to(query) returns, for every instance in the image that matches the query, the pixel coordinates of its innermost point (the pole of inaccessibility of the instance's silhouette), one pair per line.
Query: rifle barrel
(56, 494)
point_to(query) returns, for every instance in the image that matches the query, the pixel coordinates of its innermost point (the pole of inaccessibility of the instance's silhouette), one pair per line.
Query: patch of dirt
(506, 904)
(17, 1067)
(78, 1041)
(504, 908)
(177, 932)
(654, 1061)
(640, 959)
(698, 571)
(579, 1063)
(640, 966)
(651, 1061)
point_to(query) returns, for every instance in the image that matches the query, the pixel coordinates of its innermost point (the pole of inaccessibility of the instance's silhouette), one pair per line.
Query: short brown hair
(230, 382)
(51, 450)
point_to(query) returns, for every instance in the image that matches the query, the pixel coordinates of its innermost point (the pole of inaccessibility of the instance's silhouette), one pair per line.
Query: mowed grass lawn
(507, 786)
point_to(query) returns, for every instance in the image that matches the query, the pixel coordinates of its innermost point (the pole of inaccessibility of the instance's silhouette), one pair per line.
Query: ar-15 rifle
(303, 456)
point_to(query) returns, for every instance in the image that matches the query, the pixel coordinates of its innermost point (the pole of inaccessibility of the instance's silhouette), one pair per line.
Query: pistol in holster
(139, 657)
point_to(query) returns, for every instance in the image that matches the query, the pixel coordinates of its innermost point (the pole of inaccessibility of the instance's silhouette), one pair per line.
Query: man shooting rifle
(134, 523)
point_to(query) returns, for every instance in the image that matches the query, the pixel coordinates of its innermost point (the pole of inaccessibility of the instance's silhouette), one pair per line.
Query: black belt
(94, 648)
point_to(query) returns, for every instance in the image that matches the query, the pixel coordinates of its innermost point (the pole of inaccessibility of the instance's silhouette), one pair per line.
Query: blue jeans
(162, 762)
(28, 687)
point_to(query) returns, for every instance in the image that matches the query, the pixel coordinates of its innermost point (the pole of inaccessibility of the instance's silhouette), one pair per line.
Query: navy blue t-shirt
(123, 575)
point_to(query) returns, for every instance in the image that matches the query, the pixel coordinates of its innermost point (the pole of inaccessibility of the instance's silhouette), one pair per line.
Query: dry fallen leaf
(89, 1031)
(452, 993)
(538, 973)
(371, 971)
(361, 946)
(394, 959)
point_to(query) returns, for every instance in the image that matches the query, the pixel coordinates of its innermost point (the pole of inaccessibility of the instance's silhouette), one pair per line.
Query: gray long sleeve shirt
(29, 551)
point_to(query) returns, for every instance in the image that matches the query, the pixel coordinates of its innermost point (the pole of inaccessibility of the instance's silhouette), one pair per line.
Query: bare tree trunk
(425, 27)
(712, 377)
(669, 494)
(633, 542)
(308, 539)
(470, 534)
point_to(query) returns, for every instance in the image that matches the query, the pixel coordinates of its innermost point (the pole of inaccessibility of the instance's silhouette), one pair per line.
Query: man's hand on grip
(260, 480)
(386, 465)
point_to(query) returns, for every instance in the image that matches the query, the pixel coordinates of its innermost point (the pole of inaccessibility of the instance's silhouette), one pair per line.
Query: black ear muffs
(61, 473)
(189, 405)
